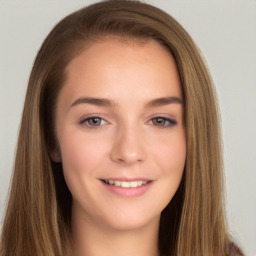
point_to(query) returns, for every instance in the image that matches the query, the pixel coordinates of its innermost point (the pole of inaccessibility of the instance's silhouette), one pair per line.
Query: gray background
(224, 30)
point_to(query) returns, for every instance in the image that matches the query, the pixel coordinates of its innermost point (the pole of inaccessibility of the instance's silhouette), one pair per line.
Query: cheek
(80, 154)
(170, 154)
(81, 157)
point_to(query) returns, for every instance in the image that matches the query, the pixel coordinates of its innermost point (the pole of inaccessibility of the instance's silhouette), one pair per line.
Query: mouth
(126, 184)
(127, 187)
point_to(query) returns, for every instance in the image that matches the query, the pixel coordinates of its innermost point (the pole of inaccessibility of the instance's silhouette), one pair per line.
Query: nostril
(128, 148)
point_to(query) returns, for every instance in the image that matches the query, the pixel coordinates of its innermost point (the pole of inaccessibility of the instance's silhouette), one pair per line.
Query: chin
(130, 220)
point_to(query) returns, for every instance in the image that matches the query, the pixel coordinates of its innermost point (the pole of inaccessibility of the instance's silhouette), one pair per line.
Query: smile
(126, 184)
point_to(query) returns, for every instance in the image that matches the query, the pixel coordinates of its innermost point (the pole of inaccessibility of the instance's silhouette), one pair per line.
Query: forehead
(108, 45)
(117, 67)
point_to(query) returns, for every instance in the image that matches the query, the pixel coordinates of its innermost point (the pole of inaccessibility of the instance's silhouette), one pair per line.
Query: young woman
(119, 150)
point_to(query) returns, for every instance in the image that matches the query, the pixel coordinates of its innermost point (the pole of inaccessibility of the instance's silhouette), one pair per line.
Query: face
(119, 126)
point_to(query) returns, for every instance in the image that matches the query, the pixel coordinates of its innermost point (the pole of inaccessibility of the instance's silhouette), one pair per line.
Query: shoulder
(234, 251)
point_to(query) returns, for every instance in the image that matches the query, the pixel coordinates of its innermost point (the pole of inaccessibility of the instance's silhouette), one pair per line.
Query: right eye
(93, 121)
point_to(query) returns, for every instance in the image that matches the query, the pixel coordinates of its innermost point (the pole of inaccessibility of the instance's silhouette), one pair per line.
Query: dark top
(234, 251)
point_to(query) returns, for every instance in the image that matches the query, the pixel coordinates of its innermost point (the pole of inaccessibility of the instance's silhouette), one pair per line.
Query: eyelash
(87, 119)
(167, 121)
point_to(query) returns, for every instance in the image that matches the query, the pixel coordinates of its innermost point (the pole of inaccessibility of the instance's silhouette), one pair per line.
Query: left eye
(94, 121)
(162, 121)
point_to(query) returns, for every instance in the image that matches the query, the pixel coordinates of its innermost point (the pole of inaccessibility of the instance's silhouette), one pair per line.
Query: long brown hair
(37, 220)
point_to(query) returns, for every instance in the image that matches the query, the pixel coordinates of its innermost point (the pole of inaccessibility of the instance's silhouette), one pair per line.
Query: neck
(94, 240)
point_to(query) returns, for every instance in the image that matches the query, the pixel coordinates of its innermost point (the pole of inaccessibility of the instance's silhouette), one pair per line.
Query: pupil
(159, 121)
(95, 121)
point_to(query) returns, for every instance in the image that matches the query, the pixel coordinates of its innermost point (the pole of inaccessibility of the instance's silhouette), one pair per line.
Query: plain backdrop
(225, 31)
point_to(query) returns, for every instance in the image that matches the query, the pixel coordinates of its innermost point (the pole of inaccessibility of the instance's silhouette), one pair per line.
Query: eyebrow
(94, 101)
(164, 101)
(102, 102)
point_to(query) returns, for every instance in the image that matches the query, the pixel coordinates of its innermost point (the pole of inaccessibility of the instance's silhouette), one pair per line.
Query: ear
(55, 155)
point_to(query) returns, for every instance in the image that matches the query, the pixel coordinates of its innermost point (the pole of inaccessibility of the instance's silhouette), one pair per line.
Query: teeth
(126, 184)
(117, 183)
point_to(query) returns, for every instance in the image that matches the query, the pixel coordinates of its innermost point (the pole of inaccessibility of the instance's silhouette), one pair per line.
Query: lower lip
(128, 192)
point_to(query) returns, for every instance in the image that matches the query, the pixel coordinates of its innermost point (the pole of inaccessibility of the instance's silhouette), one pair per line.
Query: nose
(129, 146)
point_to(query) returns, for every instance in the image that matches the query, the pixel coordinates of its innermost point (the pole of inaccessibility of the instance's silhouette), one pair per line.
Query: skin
(126, 141)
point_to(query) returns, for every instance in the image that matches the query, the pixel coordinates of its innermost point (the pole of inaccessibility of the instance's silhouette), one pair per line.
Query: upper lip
(127, 179)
